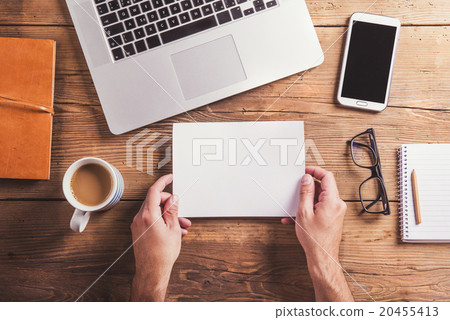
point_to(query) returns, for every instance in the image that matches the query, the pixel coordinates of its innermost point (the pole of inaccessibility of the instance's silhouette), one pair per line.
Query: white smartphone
(368, 61)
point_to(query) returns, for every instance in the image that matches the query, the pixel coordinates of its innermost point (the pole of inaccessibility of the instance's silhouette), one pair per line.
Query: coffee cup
(91, 185)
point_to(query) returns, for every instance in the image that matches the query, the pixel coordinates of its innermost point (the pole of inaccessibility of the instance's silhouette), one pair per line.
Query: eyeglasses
(372, 191)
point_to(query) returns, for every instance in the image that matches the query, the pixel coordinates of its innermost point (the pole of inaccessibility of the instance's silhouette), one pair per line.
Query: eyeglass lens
(362, 152)
(371, 195)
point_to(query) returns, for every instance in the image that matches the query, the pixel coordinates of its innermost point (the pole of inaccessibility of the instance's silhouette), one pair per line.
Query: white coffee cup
(83, 212)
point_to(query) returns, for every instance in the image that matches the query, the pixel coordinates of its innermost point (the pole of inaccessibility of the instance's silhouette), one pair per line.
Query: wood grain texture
(41, 259)
(81, 131)
(421, 90)
(421, 73)
(323, 12)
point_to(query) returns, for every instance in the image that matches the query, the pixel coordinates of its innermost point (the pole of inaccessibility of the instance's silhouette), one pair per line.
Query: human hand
(319, 223)
(320, 216)
(156, 236)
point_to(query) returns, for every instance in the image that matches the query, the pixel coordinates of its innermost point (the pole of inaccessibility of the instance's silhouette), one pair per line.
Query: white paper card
(238, 169)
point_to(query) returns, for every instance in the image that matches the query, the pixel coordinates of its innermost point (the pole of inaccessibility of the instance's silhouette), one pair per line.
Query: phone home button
(361, 103)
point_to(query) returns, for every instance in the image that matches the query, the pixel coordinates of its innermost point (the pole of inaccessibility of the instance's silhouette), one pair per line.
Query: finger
(154, 193)
(184, 223)
(327, 181)
(165, 196)
(287, 221)
(306, 203)
(170, 214)
(184, 232)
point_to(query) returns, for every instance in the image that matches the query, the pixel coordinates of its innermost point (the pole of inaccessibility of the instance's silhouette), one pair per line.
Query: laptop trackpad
(208, 67)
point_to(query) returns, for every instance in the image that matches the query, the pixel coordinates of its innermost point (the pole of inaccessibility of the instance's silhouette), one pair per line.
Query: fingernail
(175, 198)
(307, 179)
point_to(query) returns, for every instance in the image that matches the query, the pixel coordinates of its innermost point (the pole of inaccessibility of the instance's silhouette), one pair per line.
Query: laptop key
(99, 1)
(130, 24)
(229, 3)
(140, 46)
(162, 25)
(184, 17)
(123, 14)
(109, 19)
(118, 54)
(260, 7)
(218, 6)
(146, 6)
(139, 33)
(196, 14)
(175, 8)
(150, 29)
(134, 10)
(152, 16)
(224, 17)
(114, 29)
(141, 20)
(189, 29)
(153, 42)
(207, 10)
(249, 11)
(129, 50)
(197, 3)
(271, 4)
(128, 37)
(137, 1)
(157, 3)
(125, 3)
(163, 12)
(186, 5)
(173, 22)
(102, 9)
(236, 13)
(114, 5)
(115, 42)
(167, 2)
(241, 1)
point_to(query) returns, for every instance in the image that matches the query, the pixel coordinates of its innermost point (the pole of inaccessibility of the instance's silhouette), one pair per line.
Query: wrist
(324, 269)
(146, 287)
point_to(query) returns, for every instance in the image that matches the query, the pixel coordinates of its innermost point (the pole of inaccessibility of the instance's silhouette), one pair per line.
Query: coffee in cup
(91, 184)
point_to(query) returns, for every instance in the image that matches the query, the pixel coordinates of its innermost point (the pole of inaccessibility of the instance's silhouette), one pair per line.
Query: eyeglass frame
(375, 173)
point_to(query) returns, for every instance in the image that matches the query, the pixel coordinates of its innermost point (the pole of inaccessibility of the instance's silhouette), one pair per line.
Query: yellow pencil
(416, 197)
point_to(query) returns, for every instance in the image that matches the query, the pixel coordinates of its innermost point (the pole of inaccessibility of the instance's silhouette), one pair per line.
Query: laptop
(153, 59)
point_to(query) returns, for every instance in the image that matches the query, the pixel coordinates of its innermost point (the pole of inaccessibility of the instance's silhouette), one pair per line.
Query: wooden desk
(233, 260)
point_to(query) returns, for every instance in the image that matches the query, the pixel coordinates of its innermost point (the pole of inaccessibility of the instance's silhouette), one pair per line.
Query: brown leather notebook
(27, 81)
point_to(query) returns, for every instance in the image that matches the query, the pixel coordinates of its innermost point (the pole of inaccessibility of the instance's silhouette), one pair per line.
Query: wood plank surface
(421, 90)
(421, 73)
(83, 132)
(323, 12)
(42, 260)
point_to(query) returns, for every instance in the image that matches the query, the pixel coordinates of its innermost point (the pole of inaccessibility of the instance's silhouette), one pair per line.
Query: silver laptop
(153, 59)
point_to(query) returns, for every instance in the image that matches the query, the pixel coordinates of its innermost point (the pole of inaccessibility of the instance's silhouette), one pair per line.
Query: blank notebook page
(432, 165)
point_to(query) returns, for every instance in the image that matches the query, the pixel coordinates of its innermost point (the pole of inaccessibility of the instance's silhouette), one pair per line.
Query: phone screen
(369, 59)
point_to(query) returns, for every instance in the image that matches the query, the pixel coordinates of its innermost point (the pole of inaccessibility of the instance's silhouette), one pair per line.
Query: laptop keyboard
(136, 26)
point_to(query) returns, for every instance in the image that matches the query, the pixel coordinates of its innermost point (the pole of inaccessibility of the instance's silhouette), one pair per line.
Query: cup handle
(79, 220)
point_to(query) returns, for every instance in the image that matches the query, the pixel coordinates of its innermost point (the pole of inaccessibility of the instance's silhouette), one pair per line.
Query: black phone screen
(369, 59)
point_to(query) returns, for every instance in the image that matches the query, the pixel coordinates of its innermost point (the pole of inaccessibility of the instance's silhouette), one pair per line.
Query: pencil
(416, 197)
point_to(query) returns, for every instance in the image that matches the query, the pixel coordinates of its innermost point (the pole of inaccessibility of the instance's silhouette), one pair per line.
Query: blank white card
(238, 169)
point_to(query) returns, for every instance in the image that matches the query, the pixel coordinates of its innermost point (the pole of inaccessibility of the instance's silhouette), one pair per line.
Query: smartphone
(368, 61)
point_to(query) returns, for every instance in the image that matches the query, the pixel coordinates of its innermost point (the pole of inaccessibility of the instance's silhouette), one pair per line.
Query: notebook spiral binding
(402, 190)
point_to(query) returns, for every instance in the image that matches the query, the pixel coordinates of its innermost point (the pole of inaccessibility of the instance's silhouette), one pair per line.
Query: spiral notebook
(431, 163)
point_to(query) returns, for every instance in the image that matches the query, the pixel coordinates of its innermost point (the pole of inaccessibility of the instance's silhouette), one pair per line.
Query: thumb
(306, 203)
(171, 212)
